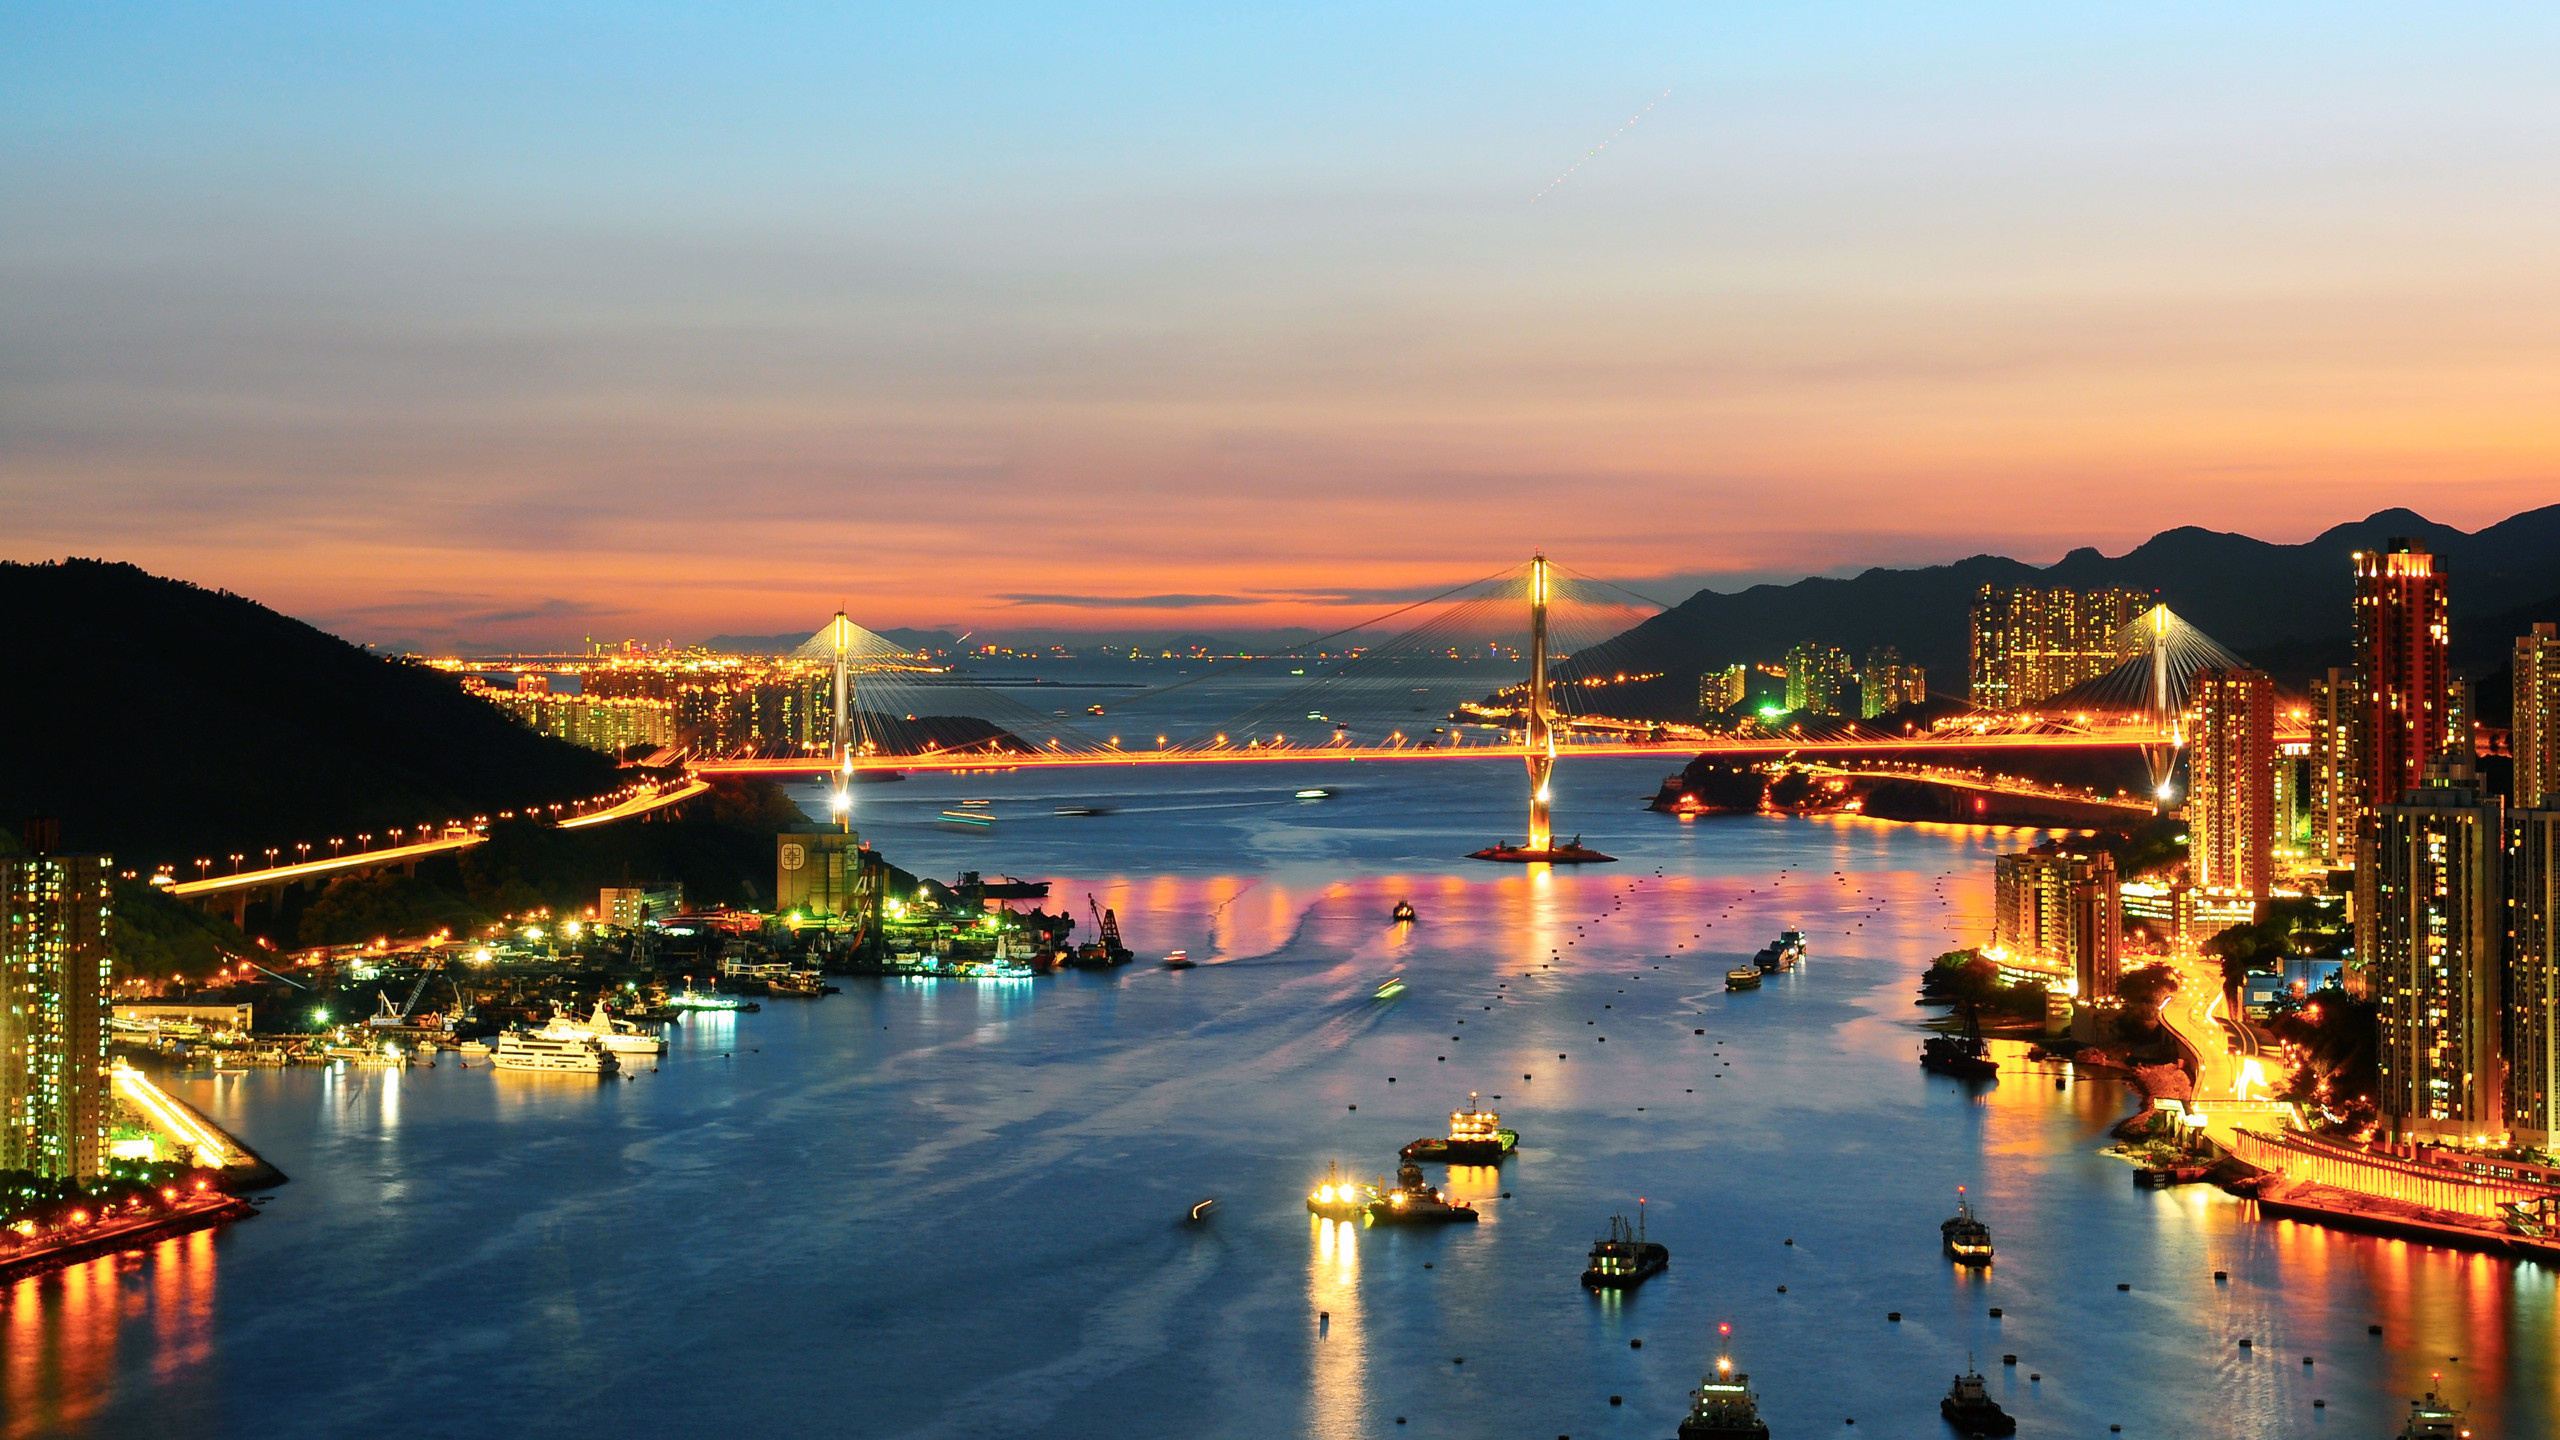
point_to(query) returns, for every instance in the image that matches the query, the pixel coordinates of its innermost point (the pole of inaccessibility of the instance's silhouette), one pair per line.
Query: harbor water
(923, 1208)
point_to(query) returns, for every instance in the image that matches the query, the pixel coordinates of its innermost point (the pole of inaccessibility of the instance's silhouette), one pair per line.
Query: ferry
(532, 1050)
(1742, 979)
(1179, 960)
(1969, 1407)
(620, 1037)
(1723, 1407)
(1626, 1258)
(1415, 1203)
(1474, 1138)
(1338, 1198)
(691, 999)
(1968, 1240)
(2433, 1419)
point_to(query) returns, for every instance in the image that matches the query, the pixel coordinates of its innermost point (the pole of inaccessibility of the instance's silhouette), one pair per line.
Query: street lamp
(235, 863)
(335, 845)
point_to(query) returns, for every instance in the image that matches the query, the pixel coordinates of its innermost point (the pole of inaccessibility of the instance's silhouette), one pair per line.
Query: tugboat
(1339, 1198)
(1742, 979)
(1626, 1259)
(1473, 1139)
(2433, 1419)
(1179, 960)
(1969, 1407)
(1723, 1407)
(1792, 941)
(1404, 912)
(1968, 1240)
(1414, 1203)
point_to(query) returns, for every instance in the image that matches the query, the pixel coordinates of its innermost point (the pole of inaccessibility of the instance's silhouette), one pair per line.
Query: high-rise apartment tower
(2535, 737)
(2533, 976)
(2401, 639)
(2439, 931)
(2030, 644)
(2231, 822)
(54, 985)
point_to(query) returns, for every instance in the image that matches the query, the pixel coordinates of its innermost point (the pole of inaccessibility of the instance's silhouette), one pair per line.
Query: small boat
(1968, 1240)
(1969, 1407)
(1404, 913)
(1964, 1056)
(1201, 1212)
(1084, 809)
(1179, 960)
(472, 1050)
(1723, 1407)
(1389, 988)
(2433, 1419)
(1625, 1259)
(797, 985)
(1474, 1138)
(1415, 1203)
(1742, 979)
(1315, 792)
(968, 819)
(1093, 709)
(1338, 1198)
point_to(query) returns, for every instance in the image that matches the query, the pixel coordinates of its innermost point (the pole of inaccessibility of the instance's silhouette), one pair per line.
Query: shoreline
(45, 1256)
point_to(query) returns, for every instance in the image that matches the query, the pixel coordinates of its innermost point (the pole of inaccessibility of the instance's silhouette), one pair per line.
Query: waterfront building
(1818, 679)
(1722, 690)
(2401, 636)
(2533, 975)
(2057, 914)
(2439, 927)
(2028, 644)
(826, 874)
(2231, 812)
(55, 977)
(2534, 737)
(1887, 682)
(2336, 799)
(629, 905)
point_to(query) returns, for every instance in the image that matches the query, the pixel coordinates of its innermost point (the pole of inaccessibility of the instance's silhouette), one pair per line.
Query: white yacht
(619, 1036)
(541, 1050)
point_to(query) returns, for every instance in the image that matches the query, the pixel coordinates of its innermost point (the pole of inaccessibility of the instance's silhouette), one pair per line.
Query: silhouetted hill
(2283, 606)
(164, 722)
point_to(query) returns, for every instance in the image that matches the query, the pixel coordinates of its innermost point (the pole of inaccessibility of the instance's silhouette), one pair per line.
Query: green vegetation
(1964, 979)
(2340, 1079)
(156, 937)
(42, 1202)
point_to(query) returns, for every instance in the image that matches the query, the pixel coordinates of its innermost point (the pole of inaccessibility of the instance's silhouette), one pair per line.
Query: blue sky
(500, 322)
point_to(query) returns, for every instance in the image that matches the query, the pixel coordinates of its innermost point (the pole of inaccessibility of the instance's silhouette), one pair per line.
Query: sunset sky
(508, 324)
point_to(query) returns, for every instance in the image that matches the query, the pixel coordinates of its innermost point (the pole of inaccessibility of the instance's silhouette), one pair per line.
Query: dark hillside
(2285, 606)
(164, 722)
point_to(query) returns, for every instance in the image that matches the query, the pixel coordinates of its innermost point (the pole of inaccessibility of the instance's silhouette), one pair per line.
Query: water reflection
(62, 1331)
(1338, 1389)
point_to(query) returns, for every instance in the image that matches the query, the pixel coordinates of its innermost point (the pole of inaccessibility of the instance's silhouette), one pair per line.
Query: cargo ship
(1475, 1138)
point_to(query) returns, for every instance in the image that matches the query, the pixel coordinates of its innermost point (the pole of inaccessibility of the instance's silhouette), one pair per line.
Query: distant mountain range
(2283, 607)
(163, 722)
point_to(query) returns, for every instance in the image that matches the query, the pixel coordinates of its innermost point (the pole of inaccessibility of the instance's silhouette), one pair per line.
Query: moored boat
(1475, 1138)
(620, 1037)
(1967, 1239)
(1340, 1197)
(1967, 1057)
(1414, 1203)
(1723, 1407)
(1625, 1258)
(533, 1050)
(1968, 1406)
(2434, 1419)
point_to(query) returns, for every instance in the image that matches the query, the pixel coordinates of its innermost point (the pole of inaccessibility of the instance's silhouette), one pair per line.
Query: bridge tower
(840, 738)
(1542, 735)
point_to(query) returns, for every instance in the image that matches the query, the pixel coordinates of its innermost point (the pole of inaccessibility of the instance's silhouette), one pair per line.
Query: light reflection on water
(963, 1204)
